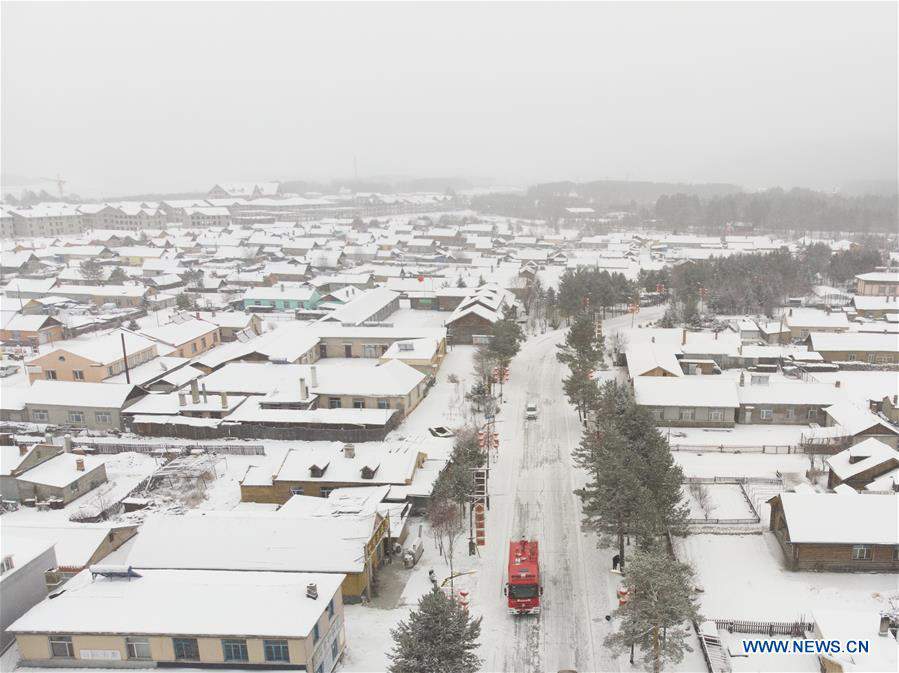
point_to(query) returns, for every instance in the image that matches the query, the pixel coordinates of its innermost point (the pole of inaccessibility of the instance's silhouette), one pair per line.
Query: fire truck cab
(524, 586)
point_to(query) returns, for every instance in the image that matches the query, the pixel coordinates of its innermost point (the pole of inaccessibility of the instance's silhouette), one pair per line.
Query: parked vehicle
(441, 431)
(523, 587)
(8, 370)
(413, 553)
(530, 411)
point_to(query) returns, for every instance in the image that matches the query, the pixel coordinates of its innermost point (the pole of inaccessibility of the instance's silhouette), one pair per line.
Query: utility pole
(125, 359)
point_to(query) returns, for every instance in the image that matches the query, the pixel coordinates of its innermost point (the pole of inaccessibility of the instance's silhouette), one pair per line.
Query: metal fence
(743, 448)
(798, 629)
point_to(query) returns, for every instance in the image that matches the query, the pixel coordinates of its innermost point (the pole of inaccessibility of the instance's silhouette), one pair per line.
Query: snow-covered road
(531, 487)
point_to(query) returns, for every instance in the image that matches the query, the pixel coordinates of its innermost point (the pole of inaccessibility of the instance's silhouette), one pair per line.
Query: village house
(31, 330)
(841, 625)
(15, 460)
(212, 619)
(837, 533)
(123, 296)
(281, 297)
(861, 464)
(851, 422)
(94, 406)
(422, 354)
(77, 545)
(688, 401)
(649, 360)
(92, 360)
(802, 322)
(61, 479)
(232, 323)
(185, 337)
(350, 549)
(877, 283)
(856, 347)
(876, 306)
(769, 399)
(317, 473)
(370, 306)
(22, 580)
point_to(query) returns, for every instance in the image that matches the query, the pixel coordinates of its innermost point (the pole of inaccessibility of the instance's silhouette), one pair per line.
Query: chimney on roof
(716, 335)
(742, 379)
(304, 391)
(791, 312)
(79, 464)
(22, 449)
(683, 338)
(67, 443)
(313, 376)
(836, 384)
(205, 397)
(884, 629)
(349, 451)
(224, 398)
(653, 339)
(312, 590)
(194, 392)
(182, 399)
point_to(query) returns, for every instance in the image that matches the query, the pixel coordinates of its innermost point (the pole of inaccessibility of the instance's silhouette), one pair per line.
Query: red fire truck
(524, 587)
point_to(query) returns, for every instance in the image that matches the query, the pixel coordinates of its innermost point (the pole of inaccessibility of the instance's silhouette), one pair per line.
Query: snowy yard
(739, 437)
(743, 577)
(715, 464)
(725, 501)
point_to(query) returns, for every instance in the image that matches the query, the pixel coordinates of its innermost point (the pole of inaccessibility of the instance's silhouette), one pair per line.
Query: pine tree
(581, 343)
(437, 637)
(91, 270)
(118, 276)
(505, 342)
(660, 608)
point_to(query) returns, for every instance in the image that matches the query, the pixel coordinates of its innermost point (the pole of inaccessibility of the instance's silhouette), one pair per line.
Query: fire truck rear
(524, 588)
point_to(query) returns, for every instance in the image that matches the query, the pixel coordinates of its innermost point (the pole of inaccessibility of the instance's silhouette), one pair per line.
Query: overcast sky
(126, 97)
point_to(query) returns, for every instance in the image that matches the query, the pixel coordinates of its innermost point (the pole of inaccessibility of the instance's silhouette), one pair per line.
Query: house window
(383, 403)
(235, 650)
(766, 414)
(186, 649)
(812, 413)
(296, 490)
(716, 415)
(896, 553)
(73, 487)
(40, 415)
(78, 375)
(315, 633)
(791, 413)
(322, 350)
(76, 417)
(51, 374)
(347, 350)
(686, 414)
(325, 492)
(61, 646)
(331, 609)
(138, 648)
(276, 650)
(850, 356)
(109, 371)
(369, 351)
(193, 347)
(862, 552)
(334, 403)
(203, 342)
(103, 417)
(358, 404)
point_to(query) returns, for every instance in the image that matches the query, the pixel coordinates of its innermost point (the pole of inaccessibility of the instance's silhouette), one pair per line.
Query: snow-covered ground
(745, 437)
(726, 501)
(743, 577)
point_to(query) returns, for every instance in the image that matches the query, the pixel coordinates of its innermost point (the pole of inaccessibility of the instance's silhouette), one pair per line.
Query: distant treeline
(704, 208)
(779, 210)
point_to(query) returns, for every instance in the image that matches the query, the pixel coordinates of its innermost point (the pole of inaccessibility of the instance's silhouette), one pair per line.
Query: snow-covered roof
(827, 518)
(841, 625)
(789, 392)
(75, 543)
(643, 358)
(201, 603)
(863, 456)
(78, 394)
(390, 464)
(853, 419)
(251, 412)
(686, 391)
(60, 470)
(859, 342)
(879, 276)
(237, 541)
(178, 333)
(104, 349)
(363, 307)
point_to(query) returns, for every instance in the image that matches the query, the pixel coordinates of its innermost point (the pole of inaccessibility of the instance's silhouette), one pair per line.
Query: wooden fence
(147, 448)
